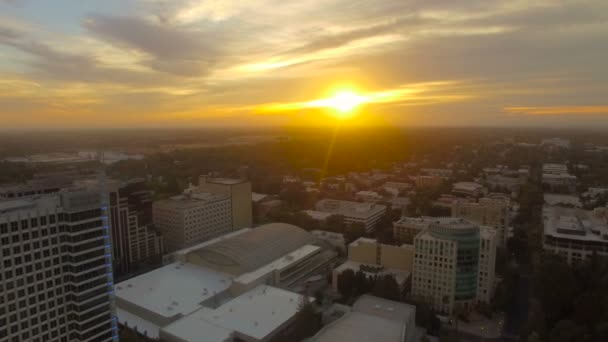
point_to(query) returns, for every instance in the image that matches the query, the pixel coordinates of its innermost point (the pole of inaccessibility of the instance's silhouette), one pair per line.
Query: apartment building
(189, 219)
(454, 266)
(56, 281)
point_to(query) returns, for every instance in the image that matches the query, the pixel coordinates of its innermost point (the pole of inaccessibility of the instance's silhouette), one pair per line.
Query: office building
(454, 266)
(56, 281)
(575, 234)
(372, 319)
(135, 240)
(494, 213)
(188, 219)
(238, 190)
(226, 289)
(367, 214)
(427, 181)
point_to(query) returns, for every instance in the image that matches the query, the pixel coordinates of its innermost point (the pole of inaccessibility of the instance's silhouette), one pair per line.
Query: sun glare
(343, 103)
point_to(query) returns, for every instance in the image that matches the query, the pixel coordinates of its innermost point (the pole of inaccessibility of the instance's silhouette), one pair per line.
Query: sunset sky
(194, 63)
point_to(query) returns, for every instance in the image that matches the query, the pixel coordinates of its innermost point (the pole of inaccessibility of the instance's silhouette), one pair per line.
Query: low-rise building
(454, 265)
(574, 233)
(372, 319)
(471, 189)
(367, 214)
(368, 196)
(427, 181)
(232, 288)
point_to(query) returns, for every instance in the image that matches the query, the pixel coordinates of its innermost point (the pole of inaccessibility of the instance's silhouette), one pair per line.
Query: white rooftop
(348, 208)
(373, 319)
(255, 314)
(173, 289)
(574, 224)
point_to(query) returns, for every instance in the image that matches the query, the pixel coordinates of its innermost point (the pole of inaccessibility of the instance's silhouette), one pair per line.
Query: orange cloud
(558, 110)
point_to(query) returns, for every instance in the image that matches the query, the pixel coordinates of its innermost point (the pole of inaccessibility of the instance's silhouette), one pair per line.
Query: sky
(206, 63)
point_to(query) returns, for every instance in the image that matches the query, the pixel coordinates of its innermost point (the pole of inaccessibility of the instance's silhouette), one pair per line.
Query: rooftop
(575, 224)
(256, 313)
(373, 319)
(253, 249)
(188, 201)
(175, 289)
(348, 208)
(36, 203)
(318, 215)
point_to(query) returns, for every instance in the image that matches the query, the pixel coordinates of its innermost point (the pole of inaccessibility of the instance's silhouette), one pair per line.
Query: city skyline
(187, 63)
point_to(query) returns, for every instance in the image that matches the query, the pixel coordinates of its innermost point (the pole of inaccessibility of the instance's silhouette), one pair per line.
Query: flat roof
(177, 288)
(348, 208)
(23, 205)
(226, 181)
(191, 201)
(256, 313)
(400, 276)
(574, 224)
(373, 319)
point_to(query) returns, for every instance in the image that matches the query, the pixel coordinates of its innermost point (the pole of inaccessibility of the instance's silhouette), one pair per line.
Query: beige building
(239, 191)
(454, 265)
(377, 259)
(192, 218)
(489, 212)
(406, 228)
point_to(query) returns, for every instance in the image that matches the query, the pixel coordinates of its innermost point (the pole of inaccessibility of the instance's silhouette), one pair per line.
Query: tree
(335, 223)
(387, 287)
(354, 231)
(567, 331)
(346, 283)
(556, 300)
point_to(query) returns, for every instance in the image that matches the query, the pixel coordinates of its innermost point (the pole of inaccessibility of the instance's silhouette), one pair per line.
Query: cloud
(567, 110)
(170, 49)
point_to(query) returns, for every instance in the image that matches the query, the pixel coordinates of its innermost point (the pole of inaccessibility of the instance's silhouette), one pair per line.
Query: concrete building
(135, 240)
(367, 214)
(471, 189)
(575, 233)
(427, 181)
(36, 186)
(454, 266)
(57, 281)
(368, 196)
(406, 228)
(189, 219)
(494, 213)
(555, 169)
(376, 260)
(239, 191)
(372, 319)
(555, 143)
(226, 289)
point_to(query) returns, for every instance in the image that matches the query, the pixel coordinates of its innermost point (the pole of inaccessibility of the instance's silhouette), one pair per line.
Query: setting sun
(343, 102)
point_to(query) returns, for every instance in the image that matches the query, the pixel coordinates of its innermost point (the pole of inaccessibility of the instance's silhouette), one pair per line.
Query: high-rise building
(454, 265)
(56, 281)
(134, 238)
(192, 218)
(239, 191)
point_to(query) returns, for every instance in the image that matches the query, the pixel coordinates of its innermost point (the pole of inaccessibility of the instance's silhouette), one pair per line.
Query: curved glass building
(454, 264)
